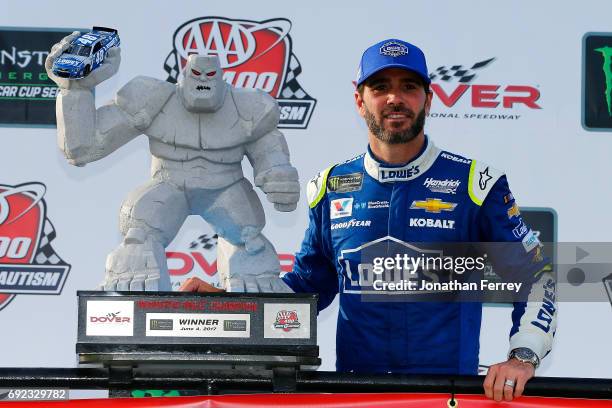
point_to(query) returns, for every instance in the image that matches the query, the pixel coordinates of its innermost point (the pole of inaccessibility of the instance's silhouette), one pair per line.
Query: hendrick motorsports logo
(597, 81)
(287, 320)
(253, 54)
(28, 263)
(458, 97)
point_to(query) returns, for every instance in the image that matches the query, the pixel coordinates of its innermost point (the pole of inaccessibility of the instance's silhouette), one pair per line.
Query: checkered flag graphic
(46, 254)
(291, 87)
(171, 66)
(205, 242)
(458, 72)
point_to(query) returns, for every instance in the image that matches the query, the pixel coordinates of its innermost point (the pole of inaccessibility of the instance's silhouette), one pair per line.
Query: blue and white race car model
(85, 53)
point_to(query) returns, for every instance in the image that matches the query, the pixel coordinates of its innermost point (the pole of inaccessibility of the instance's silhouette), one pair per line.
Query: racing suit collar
(387, 173)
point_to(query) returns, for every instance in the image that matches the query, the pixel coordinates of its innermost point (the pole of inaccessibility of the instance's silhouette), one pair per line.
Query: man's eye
(196, 73)
(211, 73)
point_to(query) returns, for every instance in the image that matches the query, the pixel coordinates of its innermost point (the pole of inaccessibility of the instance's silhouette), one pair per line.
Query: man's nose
(393, 98)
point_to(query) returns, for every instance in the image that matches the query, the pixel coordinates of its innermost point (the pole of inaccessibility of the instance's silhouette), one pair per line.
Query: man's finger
(498, 387)
(489, 381)
(197, 285)
(509, 390)
(520, 386)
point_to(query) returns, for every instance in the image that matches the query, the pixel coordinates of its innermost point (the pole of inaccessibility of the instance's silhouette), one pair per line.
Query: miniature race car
(86, 53)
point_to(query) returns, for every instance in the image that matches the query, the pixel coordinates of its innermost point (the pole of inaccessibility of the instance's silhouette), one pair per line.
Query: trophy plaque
(254, 329)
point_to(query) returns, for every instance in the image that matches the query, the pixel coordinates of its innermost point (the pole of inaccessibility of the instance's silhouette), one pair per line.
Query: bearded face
(201, 87)
(392, 135)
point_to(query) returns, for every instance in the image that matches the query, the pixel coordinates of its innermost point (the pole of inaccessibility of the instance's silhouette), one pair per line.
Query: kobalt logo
(253, 54)
(455, 158)
(28, 262)
(503, 97)
(442, 186)
(432, 223)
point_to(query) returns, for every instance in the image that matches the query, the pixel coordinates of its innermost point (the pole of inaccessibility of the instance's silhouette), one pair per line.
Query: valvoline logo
(28, 263)
(253, 54)
(342, 207)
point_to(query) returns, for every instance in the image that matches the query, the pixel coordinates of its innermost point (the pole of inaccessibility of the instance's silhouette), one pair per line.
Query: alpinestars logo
(454, 88)
(597, 81)
(28, 262)
(253, 54)
(287, 320)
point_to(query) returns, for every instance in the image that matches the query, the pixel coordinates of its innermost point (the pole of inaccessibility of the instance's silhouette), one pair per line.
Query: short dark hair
(362, 86)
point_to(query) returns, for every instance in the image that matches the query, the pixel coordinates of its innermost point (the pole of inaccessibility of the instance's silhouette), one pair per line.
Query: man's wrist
(525, 355)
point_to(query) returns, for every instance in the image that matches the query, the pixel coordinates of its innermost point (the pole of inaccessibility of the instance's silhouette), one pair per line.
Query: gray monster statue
(199, 130)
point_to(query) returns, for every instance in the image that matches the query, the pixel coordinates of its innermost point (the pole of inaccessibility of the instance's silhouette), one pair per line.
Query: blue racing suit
(436, 197)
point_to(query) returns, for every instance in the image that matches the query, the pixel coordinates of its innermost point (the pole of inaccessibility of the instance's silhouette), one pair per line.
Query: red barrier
(382, 400)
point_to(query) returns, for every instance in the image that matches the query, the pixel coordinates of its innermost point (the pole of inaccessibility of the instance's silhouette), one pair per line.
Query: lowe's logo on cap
(392, 53)
(393, 49)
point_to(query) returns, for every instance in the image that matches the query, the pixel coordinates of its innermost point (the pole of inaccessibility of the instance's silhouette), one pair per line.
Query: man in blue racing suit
(406, 190)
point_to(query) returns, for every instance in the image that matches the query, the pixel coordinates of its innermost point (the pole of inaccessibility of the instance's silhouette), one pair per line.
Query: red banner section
(391, 400)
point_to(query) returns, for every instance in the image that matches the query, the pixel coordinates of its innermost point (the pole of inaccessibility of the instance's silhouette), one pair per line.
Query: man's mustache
(398, 109)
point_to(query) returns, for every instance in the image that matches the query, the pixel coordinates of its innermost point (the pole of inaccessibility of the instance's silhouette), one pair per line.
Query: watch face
(524, 353)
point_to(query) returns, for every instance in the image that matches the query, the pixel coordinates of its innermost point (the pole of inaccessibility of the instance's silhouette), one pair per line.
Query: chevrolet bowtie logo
(432, 205)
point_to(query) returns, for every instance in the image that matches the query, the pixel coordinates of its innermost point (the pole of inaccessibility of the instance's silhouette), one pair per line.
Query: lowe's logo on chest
(399, 174)
(342, 207)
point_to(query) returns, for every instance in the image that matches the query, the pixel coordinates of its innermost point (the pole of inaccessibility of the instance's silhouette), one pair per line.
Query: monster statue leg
(149, 219)
(246, 260)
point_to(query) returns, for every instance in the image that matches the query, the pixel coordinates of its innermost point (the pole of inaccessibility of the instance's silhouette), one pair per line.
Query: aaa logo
(253, 54)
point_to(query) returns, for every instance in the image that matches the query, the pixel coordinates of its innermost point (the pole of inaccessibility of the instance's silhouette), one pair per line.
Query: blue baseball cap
(392, 53)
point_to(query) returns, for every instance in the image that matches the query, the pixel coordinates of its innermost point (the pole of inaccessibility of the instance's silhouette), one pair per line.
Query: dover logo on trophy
(28, 263)
(253, 54)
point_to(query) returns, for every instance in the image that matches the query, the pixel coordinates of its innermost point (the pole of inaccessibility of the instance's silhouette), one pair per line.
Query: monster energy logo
(345, 183)
(607, 69)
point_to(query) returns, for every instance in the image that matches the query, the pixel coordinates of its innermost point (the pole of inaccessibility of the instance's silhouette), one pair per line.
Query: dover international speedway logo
(597, 81)
(28, 262)
(253, 54)
(460, 93)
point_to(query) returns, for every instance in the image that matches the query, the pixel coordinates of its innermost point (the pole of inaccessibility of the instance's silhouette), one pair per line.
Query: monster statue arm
(86, 134)
(269, 156)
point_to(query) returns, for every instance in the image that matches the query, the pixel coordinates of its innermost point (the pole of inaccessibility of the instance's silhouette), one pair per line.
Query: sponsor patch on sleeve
(345, 183)
(316, 187)
(481, 180)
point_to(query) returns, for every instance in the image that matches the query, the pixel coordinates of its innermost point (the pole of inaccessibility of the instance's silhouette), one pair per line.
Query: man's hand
(198, 285)
(511, 371)
(281, 186)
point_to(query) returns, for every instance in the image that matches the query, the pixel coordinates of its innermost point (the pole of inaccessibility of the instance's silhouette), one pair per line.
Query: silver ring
(509, 383)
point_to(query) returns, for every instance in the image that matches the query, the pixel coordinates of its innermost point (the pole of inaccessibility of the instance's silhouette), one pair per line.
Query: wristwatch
(525, 355)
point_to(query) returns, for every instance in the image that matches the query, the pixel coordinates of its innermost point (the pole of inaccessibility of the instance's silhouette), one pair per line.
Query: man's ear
(428, 99)
(359, 104)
